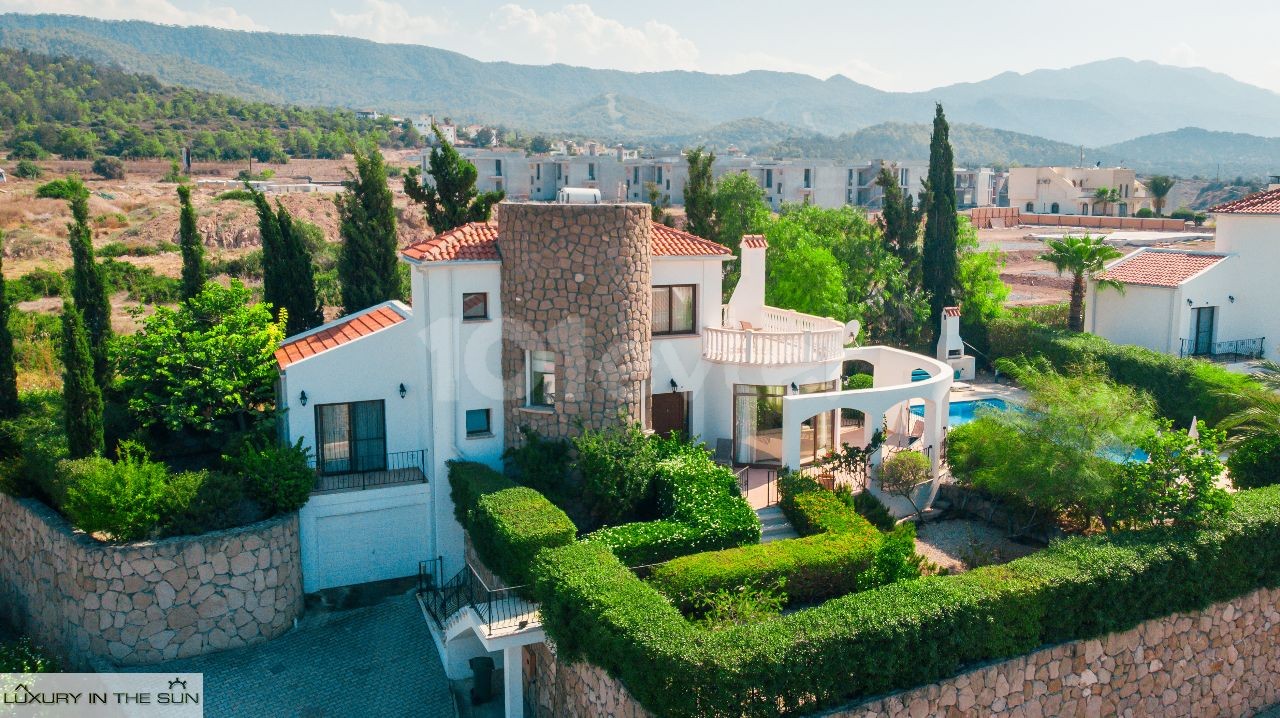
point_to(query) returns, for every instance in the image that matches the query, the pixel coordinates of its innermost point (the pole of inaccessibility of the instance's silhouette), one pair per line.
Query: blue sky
(890, 45)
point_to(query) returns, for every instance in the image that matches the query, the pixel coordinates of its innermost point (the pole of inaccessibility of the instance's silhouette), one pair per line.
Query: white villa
(553, 317)
(1071, 190)
(1218, 304)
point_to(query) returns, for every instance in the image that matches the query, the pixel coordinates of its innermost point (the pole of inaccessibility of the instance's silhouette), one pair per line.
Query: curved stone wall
(143, 603)
(576, 282)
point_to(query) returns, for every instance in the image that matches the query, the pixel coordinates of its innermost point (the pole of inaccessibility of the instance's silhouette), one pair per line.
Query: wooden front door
(671, 413)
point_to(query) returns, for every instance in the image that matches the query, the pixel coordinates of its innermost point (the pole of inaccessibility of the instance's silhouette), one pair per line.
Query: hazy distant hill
(1191, 151)
(1094, 104)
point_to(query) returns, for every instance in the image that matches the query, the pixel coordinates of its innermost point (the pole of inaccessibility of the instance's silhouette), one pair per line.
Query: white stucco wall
(1253, 279)
(1145, 316)
(355, 537)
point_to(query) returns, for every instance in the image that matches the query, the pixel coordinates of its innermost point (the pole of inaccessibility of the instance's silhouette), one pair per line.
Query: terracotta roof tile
(1160, 268)
(754, 241)
(347, 330)
(478, 241)
(951, 311)
(1258, 203)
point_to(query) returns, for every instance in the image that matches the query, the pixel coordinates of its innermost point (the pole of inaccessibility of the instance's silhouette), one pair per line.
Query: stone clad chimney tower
(577, 304)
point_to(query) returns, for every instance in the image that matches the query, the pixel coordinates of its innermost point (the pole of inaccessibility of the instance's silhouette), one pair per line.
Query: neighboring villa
(557, 317)
(1219, 304)
(1073, 190)
(824, 183)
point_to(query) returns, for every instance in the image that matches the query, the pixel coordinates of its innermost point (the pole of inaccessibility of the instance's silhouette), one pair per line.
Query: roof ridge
(1265, 201)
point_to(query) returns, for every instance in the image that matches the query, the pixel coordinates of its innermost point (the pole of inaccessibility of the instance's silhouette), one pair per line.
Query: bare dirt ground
(963, 544)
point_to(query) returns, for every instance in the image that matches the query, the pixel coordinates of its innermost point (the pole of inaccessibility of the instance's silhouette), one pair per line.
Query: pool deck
(983, 389)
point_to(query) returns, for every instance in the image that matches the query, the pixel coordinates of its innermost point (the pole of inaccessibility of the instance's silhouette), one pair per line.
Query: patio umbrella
(1194, 432)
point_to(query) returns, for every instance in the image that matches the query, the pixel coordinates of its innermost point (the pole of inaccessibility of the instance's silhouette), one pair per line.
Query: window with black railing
(351, 437)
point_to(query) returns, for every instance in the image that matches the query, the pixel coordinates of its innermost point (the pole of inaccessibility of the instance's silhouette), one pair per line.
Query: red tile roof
(474, 242)
(347, 330)
(670, 242)
(754, 241)
(951, 311)
(1258, 203)
(1160, 268)
(478, 241)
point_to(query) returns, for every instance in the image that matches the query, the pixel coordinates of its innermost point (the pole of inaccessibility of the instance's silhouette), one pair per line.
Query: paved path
(375, 661)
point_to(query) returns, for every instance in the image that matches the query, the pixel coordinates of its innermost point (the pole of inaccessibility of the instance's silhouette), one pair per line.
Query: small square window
(475, 305)
(542, 379)
(478, 422)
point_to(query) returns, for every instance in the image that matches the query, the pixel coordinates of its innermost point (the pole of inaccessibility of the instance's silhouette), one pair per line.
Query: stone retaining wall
(1223, 661)
(143, 603)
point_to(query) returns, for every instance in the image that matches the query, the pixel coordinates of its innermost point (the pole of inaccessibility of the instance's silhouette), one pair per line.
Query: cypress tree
(88, 287)
(900, 224)
(288, 274)
(368, 271)
(193, 269)
(938, 261)
(451, 200)
(9, 406)
(82, 399)
(699, 193)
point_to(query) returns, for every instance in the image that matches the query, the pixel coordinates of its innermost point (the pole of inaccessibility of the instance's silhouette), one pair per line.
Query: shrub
(903, 473)
(174, 174)
(202, 501)
(26, 169)
(511, 526)
(812, 509)
(703, 511)
(1144, 213)
(1255, 462)
(542, 464)
(1177, 483)
(1182, 388)
(1186, 214)
(872, 509)
(616, 465)
(468, 481)
(123, 499)
(109, 168)
(742, 605)
(281, 477)
(900, 635)
(23, 656)
(235, 195)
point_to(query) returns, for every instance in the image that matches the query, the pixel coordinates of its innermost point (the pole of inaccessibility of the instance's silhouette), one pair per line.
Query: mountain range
(1184, 119)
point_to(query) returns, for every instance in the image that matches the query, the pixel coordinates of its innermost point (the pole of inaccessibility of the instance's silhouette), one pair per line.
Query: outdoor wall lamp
(303, 398)
(794, 387)
(1232, 298)
(403, 390)
(1188, 302)
(674, 385)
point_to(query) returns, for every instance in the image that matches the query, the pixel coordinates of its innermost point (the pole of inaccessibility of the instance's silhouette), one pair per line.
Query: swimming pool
(963, 412)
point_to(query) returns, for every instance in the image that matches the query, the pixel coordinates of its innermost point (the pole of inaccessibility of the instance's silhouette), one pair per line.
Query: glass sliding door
(757, 424)
(817, 433)
(351, 438)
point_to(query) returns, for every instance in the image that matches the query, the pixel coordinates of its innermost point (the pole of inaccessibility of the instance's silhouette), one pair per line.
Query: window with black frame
(475, 306)
(674, 309)
(542, 379)
(351, 437)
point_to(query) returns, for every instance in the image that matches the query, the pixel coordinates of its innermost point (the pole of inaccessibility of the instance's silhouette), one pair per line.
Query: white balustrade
(786, 337)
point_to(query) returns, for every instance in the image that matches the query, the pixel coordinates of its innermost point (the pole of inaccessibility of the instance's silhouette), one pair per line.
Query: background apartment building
(1074, 190)
(824, 183)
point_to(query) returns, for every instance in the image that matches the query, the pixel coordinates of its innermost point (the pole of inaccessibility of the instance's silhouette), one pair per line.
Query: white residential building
(1218, 304)
(1073, 190)
(558, 314)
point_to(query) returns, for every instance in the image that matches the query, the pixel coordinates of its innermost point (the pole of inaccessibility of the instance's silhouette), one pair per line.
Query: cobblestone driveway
(375, 661)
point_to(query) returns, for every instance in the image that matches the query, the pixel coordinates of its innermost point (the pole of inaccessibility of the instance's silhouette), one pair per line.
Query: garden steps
(774, 525)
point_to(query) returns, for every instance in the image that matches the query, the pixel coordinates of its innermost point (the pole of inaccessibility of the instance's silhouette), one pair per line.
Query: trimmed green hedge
(510, 527)
(816, 568)
(900, 635)
(704, 511)
(468, 481)
(812, 509)
(1182, 388)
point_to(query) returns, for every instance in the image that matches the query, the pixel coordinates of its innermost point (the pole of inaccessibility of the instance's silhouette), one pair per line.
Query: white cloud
(383, 21)
(159, 11)
(1182, 55)
(576, 35)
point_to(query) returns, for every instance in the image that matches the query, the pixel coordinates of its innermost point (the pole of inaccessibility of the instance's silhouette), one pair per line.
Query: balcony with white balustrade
(768, 336)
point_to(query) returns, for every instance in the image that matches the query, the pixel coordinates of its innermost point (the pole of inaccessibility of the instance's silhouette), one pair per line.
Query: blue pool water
(963, 412)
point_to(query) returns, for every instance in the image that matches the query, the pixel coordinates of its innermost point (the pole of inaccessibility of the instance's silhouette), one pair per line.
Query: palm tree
(1159, 187)
(1106, 195)
(1260, 417)
(1081, 257)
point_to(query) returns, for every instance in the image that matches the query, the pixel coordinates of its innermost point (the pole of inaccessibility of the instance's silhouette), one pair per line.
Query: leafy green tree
(1081, 257)
(9, 407)
(802, 274)
(1106, 196)
(484, 137)
(26, 169)
(981, 292)
(1178, 482)
(699, 193)
(900, 223)
(902, 474)
(208, 364)
(109, 168)
(738, 209)
(938, 259)
(81, 397)
(658, 202)
(192, 245)
(539, 144)
(367, 267)
(1159, 187)
(451, 199)
(288, 272)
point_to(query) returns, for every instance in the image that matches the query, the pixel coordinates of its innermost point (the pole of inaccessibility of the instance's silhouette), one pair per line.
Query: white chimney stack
(951, 346)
